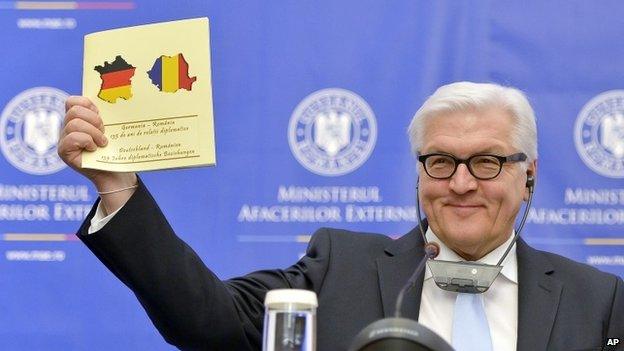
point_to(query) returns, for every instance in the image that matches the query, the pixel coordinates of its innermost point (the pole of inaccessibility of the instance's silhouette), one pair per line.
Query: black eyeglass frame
(517, 157)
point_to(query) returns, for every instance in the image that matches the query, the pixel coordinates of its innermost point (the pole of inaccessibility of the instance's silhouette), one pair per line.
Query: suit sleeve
(187, 302)
(616, 320)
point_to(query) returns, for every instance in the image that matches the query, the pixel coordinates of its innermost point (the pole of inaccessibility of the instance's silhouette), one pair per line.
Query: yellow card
(152, 86)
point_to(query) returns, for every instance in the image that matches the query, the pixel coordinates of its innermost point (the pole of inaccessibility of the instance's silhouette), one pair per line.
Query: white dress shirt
(501, 300)
(436, 306)
(98, 221)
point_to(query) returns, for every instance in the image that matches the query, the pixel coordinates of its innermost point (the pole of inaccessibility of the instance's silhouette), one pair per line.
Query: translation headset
(466, 276)
(530, 183)
(397, 333)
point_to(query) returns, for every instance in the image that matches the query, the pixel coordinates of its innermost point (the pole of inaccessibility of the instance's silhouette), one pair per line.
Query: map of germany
(116, 78)
(170, 74)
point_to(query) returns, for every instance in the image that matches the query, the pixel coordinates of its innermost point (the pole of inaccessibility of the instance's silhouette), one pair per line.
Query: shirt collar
(510, 264)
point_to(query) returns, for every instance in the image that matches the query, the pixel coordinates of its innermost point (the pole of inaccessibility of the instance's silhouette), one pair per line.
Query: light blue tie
(470, 326)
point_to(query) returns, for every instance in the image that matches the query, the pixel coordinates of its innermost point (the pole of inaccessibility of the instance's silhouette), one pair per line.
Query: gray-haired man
(477, 151)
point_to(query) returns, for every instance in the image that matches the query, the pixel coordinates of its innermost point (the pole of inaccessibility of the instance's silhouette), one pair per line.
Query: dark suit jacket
(563, 305)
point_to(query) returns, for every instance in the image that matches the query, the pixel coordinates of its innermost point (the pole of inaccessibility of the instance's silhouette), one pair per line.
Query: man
(477, 147)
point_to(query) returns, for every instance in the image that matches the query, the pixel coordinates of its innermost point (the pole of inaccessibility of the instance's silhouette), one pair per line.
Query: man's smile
(464, 209)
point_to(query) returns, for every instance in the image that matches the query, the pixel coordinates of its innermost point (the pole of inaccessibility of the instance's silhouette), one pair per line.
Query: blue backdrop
(267, 57)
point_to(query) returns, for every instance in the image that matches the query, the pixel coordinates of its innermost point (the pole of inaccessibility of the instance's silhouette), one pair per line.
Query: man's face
(472, 216)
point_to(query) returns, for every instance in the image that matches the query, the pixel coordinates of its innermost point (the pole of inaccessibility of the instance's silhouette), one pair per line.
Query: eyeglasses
(483, 167)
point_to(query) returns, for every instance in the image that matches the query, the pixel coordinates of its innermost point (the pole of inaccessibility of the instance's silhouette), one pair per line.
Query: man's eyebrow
(491, 150)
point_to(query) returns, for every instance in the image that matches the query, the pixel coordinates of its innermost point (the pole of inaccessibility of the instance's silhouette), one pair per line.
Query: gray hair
(468, 96)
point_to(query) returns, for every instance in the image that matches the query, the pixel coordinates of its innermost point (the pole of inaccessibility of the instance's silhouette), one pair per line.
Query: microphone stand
(396, 333)
(431, 251)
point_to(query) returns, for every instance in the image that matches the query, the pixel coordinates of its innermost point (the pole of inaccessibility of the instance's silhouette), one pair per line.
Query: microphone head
(432, 250)
(398, 334)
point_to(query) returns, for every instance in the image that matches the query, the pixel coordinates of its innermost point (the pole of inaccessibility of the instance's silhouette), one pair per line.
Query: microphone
(432, 250)
(402, 334)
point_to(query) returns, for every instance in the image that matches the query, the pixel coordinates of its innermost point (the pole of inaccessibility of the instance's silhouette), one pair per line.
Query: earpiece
(530, 181)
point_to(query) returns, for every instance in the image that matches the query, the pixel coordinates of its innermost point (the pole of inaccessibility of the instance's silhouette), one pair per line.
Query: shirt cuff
(98, 221)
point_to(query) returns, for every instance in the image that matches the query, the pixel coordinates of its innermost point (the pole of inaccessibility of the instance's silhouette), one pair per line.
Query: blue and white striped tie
(470, 326)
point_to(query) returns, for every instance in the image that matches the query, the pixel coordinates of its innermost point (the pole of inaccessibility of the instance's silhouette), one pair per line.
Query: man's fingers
(82, 126)
(83, 113)
(80, 101)
(74, 143)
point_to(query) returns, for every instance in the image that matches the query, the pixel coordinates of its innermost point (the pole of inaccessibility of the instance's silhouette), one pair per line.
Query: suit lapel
(538, 298)
(395, 268)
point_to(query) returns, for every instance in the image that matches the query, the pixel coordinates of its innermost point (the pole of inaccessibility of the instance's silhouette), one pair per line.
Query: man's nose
(462, 181)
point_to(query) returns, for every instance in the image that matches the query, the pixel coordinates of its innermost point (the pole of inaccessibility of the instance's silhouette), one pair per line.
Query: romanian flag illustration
(170, 73)
(115, 80)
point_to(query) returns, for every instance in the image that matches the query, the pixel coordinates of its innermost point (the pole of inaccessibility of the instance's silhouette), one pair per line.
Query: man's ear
(531, 174)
